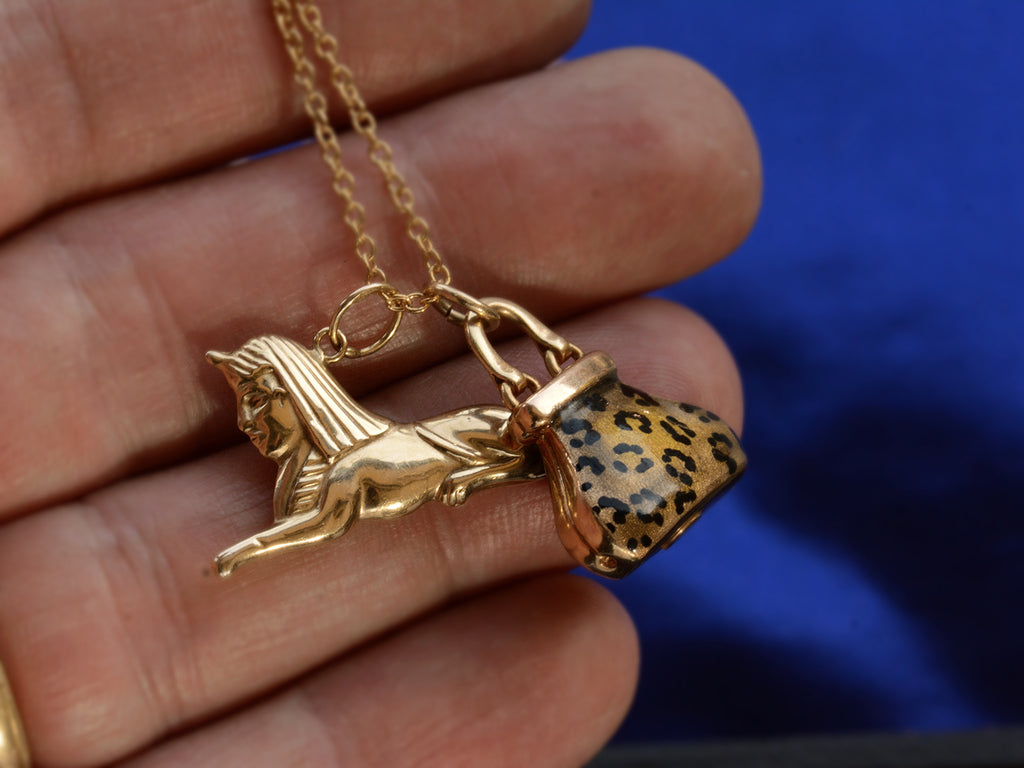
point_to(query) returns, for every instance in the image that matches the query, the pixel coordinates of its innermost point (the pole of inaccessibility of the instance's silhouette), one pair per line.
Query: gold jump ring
(339, 339)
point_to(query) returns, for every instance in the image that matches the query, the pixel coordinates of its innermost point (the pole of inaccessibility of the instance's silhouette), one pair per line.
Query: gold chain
(363, 122)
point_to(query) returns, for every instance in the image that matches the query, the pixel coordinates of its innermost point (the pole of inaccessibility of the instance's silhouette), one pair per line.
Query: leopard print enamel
(629, 472)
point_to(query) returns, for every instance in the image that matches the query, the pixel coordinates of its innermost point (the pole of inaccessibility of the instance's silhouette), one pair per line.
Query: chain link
(294, 16)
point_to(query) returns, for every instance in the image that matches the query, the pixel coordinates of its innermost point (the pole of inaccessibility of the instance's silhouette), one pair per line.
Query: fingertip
(701, 147)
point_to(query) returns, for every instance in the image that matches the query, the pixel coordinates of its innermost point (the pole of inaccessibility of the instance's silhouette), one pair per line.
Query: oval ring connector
(342, 348)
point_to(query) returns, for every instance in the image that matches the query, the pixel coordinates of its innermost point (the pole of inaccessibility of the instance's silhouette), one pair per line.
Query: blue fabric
(868, 573)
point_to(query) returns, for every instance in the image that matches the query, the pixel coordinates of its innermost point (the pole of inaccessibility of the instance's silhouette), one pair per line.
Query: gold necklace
(628, 472)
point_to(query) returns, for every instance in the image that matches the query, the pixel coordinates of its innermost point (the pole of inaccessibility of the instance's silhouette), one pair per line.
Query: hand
(130, 247)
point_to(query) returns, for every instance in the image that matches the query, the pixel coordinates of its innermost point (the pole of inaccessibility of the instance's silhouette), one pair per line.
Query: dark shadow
(717, 687)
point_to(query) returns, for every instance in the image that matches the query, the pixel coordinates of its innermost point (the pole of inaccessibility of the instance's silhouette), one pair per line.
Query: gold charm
(338, 461)
(629, 473)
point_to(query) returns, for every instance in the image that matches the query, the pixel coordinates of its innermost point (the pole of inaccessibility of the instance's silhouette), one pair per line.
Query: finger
(95, 99)
(539, 673)
(159, 641)
(109, 310)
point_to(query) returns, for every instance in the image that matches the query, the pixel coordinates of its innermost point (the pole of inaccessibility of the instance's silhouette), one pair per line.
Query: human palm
(131, 245)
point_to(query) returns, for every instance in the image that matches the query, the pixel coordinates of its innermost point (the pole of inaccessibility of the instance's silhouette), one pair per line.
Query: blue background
(867, 574)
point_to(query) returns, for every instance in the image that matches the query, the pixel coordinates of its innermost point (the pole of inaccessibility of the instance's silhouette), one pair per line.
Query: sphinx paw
(225, 565)
(231, 558)
(452, 493)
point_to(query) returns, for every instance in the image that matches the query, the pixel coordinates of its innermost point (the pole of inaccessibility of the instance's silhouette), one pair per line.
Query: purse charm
(628, 472)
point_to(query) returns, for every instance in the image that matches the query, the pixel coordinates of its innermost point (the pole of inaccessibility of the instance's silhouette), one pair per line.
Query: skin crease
(130, 248)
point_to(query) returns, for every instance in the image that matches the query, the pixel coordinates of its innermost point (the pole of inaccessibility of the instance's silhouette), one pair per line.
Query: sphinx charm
(338, 461)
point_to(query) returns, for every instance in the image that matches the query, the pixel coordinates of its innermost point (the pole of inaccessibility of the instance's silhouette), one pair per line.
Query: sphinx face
(267, 416)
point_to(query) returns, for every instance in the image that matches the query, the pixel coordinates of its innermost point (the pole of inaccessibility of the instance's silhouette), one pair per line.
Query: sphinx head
(266, 413)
